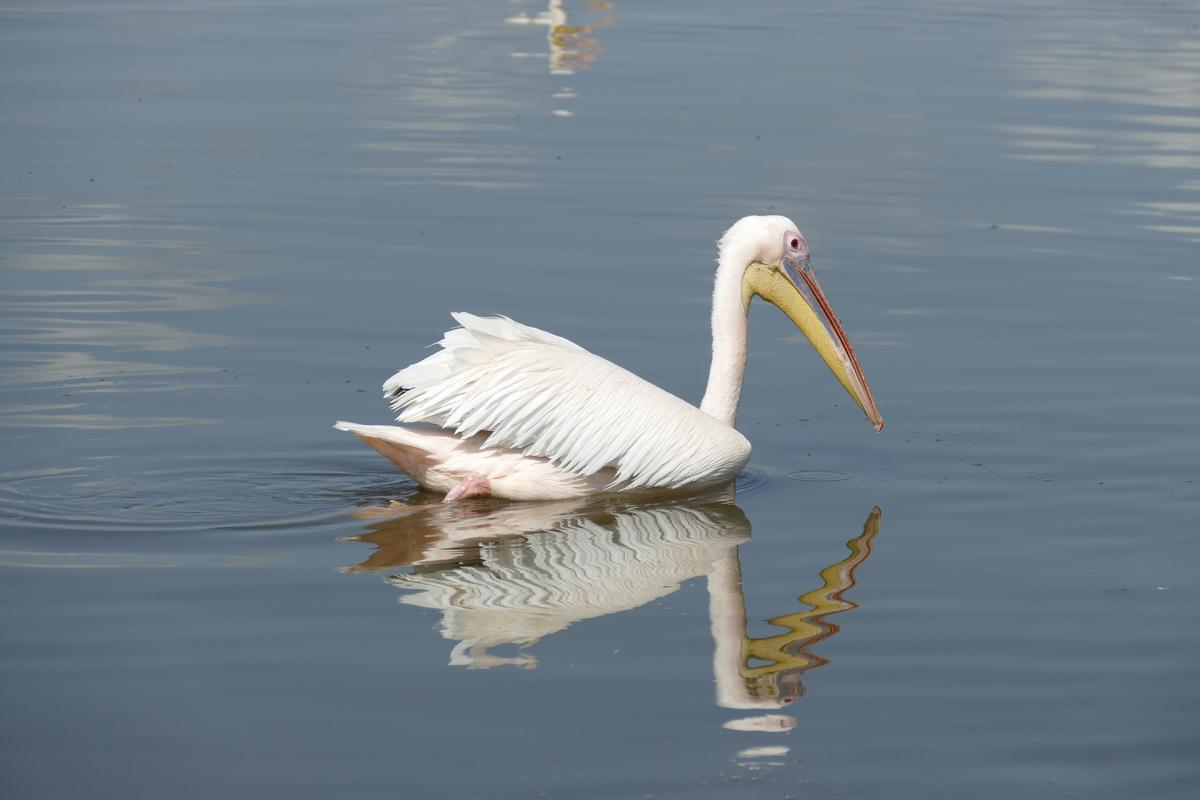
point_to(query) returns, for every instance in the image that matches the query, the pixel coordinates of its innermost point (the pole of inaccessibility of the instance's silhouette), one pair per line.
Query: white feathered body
(540, 418)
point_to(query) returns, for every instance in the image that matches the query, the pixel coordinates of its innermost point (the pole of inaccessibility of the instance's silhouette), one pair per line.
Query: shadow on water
(511, 574)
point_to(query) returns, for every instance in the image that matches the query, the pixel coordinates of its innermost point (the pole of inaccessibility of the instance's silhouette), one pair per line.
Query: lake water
(224, 224)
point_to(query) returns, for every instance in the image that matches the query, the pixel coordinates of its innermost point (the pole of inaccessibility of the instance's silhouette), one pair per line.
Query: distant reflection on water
(76, 283)
(512, 574)
(572, 45)
(1143, 80)
(460, 128)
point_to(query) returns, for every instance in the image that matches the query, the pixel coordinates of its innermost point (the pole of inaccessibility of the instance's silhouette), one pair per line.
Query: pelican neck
(729, 335)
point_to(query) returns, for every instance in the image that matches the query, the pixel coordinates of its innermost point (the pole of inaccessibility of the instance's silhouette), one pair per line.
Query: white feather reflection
(573, 563)
(512, 574)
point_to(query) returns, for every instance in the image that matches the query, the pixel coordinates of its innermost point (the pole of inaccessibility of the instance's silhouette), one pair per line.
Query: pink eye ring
(795, 246)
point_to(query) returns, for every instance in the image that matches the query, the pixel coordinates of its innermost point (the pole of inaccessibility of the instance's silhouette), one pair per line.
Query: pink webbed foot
(470, 486)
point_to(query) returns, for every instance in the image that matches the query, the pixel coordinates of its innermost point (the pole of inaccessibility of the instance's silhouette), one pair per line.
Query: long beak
(794, 289)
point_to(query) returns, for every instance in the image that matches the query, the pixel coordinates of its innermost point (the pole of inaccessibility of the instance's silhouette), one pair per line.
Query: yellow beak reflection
(793, 288)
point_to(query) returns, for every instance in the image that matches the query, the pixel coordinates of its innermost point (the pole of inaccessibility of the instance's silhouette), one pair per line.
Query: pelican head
(777, 268)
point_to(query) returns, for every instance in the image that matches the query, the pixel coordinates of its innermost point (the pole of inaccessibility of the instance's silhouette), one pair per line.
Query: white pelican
(514, 412)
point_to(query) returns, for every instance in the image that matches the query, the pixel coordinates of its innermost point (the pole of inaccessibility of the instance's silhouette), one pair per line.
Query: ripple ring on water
(818, 475)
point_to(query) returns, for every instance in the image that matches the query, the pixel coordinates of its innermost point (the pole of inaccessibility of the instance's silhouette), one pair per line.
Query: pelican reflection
(764, 673)
(571, 45)
(510, 574)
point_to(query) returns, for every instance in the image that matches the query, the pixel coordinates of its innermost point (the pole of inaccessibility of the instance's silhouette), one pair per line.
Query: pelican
(515, 412)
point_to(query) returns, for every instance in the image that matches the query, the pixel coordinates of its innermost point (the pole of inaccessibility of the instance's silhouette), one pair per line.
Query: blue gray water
(223, 224)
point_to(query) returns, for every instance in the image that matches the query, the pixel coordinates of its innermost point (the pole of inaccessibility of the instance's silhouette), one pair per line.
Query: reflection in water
(458, 126)
(572, 47)
(76, 282)
(574, 562)
(1143, 60)
(511, 574)
(783, 658)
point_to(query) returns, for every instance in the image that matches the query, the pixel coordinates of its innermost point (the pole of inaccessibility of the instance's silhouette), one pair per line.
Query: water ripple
(79, 284)
(245, 493)
(1138, 69)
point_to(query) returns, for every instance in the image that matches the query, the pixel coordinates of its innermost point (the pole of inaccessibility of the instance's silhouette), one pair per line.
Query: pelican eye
(795, 247)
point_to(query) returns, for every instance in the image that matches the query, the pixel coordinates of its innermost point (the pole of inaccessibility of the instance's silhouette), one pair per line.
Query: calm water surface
(223, 224)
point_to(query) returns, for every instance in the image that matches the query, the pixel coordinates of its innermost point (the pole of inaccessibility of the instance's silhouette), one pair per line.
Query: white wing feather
(548, 397)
